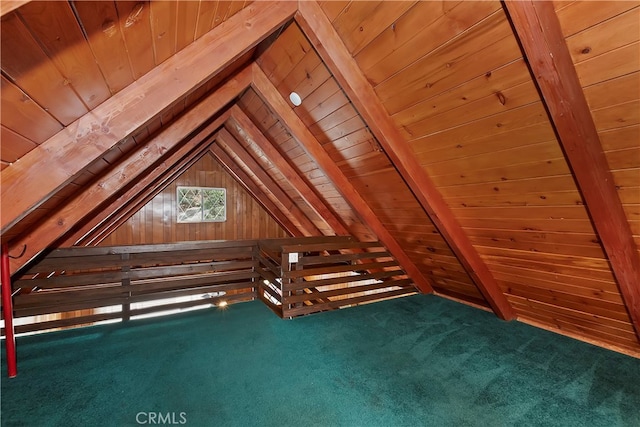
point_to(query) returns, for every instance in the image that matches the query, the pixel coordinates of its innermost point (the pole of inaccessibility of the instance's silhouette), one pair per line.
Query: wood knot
(586, 50)
(109, 28)
(501, 98)
(134, 16)
(488, 74)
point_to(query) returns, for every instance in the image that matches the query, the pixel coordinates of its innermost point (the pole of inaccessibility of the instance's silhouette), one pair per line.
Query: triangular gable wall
(156, 221)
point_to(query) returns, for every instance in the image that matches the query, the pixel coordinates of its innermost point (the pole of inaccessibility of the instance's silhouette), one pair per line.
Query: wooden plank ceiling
(497, 174)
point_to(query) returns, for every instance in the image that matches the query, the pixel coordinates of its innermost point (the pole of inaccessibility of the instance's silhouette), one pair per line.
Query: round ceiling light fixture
(295, 99)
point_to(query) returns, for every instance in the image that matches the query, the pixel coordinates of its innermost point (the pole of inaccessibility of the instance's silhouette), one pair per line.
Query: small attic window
(202, 204)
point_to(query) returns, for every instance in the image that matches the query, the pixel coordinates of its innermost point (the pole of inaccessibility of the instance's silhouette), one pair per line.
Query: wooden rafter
(310, 144)
(7, 6)
(254, 190)
(332, 50)
(136, 163)
(248, 130)
(126, 205)
(145, 188)
(537, 27)
(279, 196)
(71, 150)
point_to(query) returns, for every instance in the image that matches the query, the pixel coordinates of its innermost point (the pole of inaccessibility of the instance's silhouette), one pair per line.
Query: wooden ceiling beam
(119, 210)
(133, 166)
(279, 196)
(74, 148)
(98, 227)
(141, 193)
(270, 95)
(254, 190)
(537, 27)
(246, 129)
(344, 68)
(7, 6)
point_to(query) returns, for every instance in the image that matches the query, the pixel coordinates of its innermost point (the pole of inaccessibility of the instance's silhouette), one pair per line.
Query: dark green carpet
(417, 361)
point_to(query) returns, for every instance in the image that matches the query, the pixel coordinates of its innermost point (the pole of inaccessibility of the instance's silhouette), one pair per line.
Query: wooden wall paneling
(159, 213)
(235, 7)
(206, 12)
(304, 76)
(333, 8)
(164, 29)
(289, 149)
(60, 35)
(538, 29)
(101, 26)
(268, 92)
(577, 16)
(418, 37)
(231, 145)
(14, 145)
(340, 62)
(24, 116)
(482, 48)
(245, 124)
(289, 48)
(192, 66)
(186, 23)
(135, 24)
(489, 84)
(418, 22)
(28, 66)
(367, 24)
(85, 201)
(225, 10)
(598, 39)
(492, 103)
(146, 188)
(256, 193)
(326, 98)
(89, 198)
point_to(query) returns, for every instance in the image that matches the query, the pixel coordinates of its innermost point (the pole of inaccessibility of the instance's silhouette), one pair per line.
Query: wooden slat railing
(326, 274)
(77, 285)
(92, 278)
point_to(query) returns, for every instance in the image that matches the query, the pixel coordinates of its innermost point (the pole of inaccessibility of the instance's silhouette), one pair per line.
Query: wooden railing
(69, 280)
(326, 273)
(294, 277)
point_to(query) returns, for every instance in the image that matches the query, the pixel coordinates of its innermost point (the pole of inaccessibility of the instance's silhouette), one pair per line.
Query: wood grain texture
(539, 31)
(269, 93)
(334, 53)
(242, 222)
(126, 171)
(70, 150)
(254, 190)
(24, 116)
(280, 197)
(59, 33)
(245, 124)
(27, 65)
(106, 40)
(135, 24)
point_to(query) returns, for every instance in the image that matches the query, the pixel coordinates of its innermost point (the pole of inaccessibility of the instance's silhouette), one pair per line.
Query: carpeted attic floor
(417, 361)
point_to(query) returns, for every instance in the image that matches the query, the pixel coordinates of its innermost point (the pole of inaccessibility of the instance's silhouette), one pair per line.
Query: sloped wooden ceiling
(436, 127)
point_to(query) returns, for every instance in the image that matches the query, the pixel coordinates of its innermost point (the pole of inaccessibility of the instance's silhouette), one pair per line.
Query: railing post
(257, 281)
(7, 307)
(126, 284)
